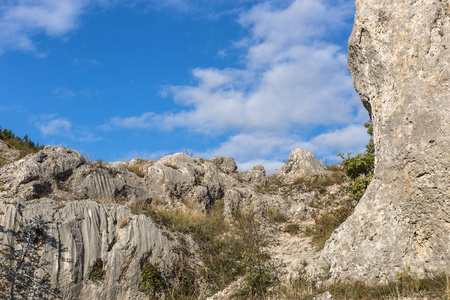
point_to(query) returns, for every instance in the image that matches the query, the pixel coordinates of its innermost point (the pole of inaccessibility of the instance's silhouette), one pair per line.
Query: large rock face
(399, 56)
(63, 218)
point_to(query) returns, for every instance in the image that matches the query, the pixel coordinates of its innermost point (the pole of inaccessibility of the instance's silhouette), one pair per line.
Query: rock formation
(51, 242)
(302, 163)
(68, 217)
(399, 56)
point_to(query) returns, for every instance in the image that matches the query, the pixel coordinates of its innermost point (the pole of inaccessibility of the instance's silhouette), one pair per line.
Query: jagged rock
(226, 164)
(64, 173)
(7, 154)
(4, 145)
(110, 181)
(33, 176)
(399, 57)
(257, 175)
(301, 163)
(179, 178)
(68, 208)
(60, 243)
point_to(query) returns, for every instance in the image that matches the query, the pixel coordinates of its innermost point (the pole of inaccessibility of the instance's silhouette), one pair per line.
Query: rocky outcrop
(399, 56)
(180, 179)
(257, 175)
(7, 153)
(53, 243)
(53, 248)
(64, 174)
(302, 163)
(69, 218)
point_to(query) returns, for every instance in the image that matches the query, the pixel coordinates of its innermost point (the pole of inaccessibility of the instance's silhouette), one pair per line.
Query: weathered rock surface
(302, 163)
(61, 238)
(69, 217)
(399, 56)
(61, 241)
(7, 154)
(64, 215)
(257, 175)
(64, 173)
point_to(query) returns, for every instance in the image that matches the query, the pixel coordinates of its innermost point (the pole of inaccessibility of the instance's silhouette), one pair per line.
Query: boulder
(302, 163)
(226, 164)
(399, 57)
(257, 176)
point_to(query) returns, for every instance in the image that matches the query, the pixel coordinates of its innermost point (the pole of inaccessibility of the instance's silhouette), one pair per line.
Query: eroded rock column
(399, 56)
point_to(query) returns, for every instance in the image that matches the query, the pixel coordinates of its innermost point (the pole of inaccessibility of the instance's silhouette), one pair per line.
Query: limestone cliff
(399, 56)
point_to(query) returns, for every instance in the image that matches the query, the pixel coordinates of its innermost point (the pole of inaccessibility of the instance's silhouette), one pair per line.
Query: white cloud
(53, 126)
(293, 80)
(59, 126)
(144, 121)
(86, 63)
(63, 92)
(21, 20)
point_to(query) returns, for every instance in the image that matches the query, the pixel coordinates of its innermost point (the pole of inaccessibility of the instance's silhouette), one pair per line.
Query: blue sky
(116, 79)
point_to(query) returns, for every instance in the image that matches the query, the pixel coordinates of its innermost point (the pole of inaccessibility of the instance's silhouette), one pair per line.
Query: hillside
(185, 227)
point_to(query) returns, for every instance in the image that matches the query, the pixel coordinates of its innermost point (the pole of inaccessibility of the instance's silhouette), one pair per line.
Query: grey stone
(399, 57)
(7, 154)
(60, 242)
(4, 145)
(256, 176)
(226, 164)
(180, 179)
(64, 173)
(301, 163)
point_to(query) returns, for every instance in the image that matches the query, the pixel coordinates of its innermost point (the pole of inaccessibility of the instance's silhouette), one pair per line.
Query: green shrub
(259, 273)
(358, 186)
(153, 283)
(360, 167)
(19, 143)
(97, 272)
(228, 251)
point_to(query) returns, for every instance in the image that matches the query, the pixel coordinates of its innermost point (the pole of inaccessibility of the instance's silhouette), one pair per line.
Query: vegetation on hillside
(227, 250)
(360, 167)
(406, 287)
(19, 143)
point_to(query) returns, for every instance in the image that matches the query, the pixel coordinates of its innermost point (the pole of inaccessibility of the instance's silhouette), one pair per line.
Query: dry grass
(326, 223)
(95, 164)
(168, 164)
(124, 221)
(4, 162)
(139, 169)
(303, 183)
(292, 229)
(228, 251)
(273, 215)
(437, 287)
